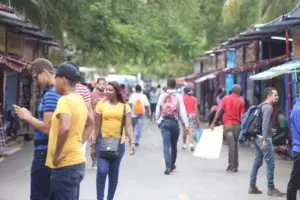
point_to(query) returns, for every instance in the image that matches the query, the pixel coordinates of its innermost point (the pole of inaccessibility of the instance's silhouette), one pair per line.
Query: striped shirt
(84, 92)
(48, 104)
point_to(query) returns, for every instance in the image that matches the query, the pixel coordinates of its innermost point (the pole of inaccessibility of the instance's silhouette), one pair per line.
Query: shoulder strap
(123, 120)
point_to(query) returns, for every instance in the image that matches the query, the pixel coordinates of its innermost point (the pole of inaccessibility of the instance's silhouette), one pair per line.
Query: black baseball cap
(68, 71)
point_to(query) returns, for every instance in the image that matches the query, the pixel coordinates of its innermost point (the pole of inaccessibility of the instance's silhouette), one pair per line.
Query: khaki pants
(231, 133)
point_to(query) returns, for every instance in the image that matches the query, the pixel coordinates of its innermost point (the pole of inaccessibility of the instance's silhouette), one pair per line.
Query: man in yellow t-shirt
(69, 126)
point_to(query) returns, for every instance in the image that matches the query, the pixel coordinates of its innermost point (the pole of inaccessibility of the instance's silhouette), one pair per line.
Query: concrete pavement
(141, 175)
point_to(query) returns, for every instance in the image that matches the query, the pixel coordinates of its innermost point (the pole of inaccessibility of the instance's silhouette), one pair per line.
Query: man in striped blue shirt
(43, 72)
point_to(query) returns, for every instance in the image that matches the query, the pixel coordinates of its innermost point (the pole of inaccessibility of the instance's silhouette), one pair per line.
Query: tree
(53, 16)
(265, 10)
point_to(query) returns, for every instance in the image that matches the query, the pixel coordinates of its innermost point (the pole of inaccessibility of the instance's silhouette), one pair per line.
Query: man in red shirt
(234, 109)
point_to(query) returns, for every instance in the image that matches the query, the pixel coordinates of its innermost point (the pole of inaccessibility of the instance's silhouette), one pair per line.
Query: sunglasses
(34, 77)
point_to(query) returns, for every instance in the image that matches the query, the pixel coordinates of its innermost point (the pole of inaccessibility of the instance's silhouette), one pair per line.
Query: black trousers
(294, 183)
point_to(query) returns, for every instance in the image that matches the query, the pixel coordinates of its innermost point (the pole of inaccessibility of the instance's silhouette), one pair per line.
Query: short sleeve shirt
(48, 104)
(112, 118)
(74, 106)
(233, 108)
(135, 97)
(84, 92)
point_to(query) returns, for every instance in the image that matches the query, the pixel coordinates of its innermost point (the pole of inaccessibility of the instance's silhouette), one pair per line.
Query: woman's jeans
(110, 168)
(260, 155)
(170, 132)
(40, 176)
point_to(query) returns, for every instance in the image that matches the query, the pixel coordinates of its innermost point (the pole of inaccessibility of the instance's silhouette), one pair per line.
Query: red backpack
(170, 106)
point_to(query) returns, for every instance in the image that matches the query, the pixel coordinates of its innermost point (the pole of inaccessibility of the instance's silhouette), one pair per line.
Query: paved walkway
(142, 178)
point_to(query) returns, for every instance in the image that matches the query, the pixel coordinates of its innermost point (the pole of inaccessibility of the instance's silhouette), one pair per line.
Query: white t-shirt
(138, 96)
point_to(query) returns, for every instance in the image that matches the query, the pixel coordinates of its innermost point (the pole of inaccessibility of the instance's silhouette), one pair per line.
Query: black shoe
(173, 168)
(229, 169)
(137, 144)
(168, 171)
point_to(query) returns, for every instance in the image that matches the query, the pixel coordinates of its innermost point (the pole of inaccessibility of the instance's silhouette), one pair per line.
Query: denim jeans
(170, 132)
(65, 182)
(40, 176)
(138, 123)
(108, 168)
(266, 154)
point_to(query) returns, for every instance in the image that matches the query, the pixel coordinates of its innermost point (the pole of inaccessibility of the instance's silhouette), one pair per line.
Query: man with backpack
(169, 108)
(140, 106)
(234, 109)
(261, 128)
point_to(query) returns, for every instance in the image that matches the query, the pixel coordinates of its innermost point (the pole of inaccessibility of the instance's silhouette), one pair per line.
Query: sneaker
(230, 169)
(254, 190)
(94, 166)
(192, 147)
(168, 171)
(173, 168)
(184, 147)
(275, 193)
(137, 144)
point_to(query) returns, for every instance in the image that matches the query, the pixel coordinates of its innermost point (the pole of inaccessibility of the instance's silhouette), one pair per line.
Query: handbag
(109, 146)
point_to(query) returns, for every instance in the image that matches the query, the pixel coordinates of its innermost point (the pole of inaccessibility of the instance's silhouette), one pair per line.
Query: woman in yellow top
(108, 120)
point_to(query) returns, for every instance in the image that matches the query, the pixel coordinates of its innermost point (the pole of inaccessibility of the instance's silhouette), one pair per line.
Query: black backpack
(255, 122)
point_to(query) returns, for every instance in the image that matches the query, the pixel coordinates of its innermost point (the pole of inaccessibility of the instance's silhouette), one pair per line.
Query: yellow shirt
(74, 106)
(112, 118)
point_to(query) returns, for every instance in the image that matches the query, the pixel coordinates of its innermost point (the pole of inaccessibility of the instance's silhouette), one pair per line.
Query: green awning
(266, 75)
(286, 68)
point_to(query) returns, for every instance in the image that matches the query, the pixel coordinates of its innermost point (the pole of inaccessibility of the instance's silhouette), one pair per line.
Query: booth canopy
(286, 68)
(206, 77)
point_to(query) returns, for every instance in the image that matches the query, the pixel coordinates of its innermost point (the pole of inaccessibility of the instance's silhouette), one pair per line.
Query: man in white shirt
(140, 106)
(169, 109)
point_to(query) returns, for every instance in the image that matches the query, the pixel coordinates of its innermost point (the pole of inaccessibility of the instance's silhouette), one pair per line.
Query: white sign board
(210, 144)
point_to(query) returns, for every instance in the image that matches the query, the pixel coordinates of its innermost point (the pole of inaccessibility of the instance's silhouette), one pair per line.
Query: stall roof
(206, 77)
(290, 19)
(13, 64)
(261, 32)
(286, 68)
(265, 75)
(38, 34)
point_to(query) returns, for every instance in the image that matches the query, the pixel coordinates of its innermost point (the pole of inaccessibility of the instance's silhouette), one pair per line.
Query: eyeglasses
(34, 77)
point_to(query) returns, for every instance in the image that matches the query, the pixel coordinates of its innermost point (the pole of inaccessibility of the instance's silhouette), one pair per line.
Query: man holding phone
(43, 72)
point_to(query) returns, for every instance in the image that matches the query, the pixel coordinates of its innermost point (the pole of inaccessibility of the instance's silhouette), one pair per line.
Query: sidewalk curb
(11, 148)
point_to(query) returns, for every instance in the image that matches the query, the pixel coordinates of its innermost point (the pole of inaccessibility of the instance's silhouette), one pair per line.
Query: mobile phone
(15, 106)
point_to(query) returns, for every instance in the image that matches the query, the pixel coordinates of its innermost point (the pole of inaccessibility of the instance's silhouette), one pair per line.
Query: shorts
(153, 107)
(193, 123)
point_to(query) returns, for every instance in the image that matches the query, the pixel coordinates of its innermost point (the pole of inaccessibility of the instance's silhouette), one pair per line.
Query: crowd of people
(71, 118)
(261, 129)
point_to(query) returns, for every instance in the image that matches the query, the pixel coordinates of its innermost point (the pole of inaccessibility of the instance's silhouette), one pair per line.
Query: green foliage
(136, 36)
(148, 36)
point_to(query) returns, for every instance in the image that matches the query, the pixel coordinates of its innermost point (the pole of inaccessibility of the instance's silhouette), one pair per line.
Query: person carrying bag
(109, 146)
(110, 118)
